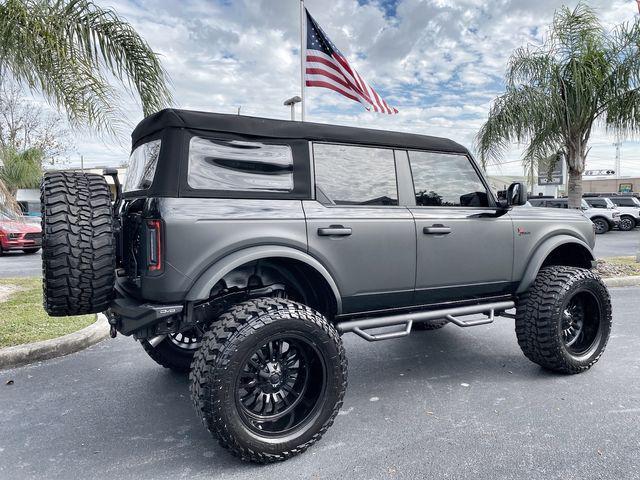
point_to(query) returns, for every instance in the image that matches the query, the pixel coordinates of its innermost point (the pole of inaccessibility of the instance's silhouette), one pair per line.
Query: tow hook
(113, 322)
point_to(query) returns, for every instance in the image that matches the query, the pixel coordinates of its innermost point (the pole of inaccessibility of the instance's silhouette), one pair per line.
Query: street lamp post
(291, 102)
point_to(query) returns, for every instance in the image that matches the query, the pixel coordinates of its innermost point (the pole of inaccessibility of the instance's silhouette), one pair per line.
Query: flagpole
(303, 48)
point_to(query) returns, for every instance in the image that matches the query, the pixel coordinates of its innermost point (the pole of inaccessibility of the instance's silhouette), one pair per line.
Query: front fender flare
(205, 282)
(542, 252)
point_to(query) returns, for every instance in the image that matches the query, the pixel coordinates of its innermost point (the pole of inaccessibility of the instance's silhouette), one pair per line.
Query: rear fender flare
(542, 252)
(210, 276)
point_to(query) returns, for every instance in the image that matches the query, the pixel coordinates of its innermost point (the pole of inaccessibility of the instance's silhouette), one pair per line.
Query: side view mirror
(516, 194)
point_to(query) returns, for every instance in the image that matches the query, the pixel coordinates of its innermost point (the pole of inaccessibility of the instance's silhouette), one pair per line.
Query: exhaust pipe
(155, 341)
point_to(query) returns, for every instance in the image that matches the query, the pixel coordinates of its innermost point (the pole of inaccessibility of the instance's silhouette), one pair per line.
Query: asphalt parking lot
(455, 403)
(18, 264)
(611, 244)
(616, 243)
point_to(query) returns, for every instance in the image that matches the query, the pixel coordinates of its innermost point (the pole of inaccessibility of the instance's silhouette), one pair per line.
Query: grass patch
(23, 320)
(618, 267)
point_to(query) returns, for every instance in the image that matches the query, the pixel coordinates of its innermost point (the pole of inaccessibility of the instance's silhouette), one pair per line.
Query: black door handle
(437, 229)
(334, 231)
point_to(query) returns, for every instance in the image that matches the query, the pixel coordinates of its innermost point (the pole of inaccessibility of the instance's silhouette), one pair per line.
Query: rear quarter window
(239, 166)
(142, 166)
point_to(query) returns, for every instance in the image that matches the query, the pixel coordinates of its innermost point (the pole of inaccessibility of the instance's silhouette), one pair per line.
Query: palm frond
(556, 92)
(67, 49)
(21, 169)
(515, 116)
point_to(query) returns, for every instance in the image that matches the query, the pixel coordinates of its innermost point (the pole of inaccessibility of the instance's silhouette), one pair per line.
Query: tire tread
(219, 343)
(537, 317)
(78, 244)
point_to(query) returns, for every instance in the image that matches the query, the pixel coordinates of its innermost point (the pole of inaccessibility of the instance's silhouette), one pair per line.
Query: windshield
(142, 166)
(584, 205)
(7, 215)
(610, 204)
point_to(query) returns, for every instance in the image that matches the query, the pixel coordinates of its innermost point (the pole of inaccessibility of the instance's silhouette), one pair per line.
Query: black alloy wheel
(581, 323)
(189, 340)
(280, 385)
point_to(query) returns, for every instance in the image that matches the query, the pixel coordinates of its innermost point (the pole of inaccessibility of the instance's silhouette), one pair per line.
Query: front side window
(446, 180)
(597, 203)
(235, 165)
(142, 166)
(350, 175)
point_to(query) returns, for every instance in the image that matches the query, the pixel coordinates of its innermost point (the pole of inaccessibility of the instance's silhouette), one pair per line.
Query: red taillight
(154, 256)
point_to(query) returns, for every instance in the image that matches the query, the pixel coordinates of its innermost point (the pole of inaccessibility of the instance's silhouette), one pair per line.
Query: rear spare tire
(78, 244)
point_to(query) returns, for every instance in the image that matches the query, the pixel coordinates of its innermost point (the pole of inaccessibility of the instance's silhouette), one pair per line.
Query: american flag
(326, 67)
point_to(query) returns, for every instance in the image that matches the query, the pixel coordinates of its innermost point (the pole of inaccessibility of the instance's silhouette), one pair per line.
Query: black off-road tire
(627, 223)
(169, 355)
(218, 363)
(78, 245)
(430, 324)
(539, 318)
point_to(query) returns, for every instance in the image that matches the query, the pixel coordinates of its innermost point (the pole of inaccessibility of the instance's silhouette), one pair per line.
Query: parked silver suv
(241, 249)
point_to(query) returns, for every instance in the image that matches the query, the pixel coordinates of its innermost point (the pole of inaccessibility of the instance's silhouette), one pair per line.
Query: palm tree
(68, 50)
(581, 77)
(20, 169)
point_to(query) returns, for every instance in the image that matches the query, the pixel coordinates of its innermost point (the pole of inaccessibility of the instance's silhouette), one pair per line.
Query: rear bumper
(130, 315)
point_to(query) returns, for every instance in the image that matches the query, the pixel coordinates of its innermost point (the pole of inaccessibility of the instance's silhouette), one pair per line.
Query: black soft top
(270, 128)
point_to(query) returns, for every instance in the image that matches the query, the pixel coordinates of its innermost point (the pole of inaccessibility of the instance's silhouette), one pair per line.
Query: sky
(440, 62)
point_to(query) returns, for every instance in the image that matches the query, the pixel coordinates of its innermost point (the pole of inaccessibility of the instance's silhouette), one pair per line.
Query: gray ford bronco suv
(240, 250)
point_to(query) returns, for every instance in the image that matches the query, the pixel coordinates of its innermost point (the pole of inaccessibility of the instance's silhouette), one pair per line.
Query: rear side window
(239, 166)
(142, 166)
(350, 175)
(623, 202)
(446, 180)
(626, 202)
(557, 204)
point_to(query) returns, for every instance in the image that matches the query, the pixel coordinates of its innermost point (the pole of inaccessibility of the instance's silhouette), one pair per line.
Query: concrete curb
(56, 347)
(631, 281)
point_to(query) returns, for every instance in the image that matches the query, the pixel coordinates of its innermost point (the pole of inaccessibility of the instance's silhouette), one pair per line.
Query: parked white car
(604, 219)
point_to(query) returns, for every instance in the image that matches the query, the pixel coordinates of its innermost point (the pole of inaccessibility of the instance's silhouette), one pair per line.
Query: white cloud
(440, 61)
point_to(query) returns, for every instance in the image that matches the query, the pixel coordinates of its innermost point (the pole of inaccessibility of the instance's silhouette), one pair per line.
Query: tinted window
(626, 202)
(557, 204)
(142, 166)
(348, 175)
(239, 166)
(597, 202)
(446, 180)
